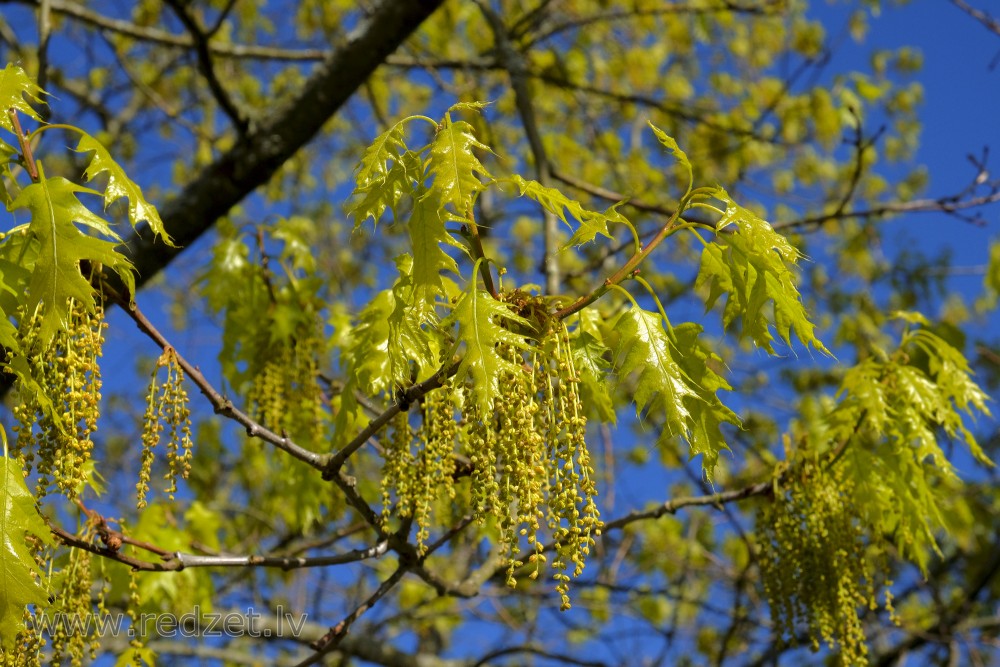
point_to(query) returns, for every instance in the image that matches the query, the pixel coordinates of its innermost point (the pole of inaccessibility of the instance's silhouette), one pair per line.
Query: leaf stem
(627, 269)
(25, 144)
(479, 254)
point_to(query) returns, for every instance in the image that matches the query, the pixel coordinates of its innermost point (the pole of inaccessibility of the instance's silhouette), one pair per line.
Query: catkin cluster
(57, 418)
(814, 562)
(166, 410)
(69, 639)
(531, 472)
(28, 645)
(285, 394)
(420, 465)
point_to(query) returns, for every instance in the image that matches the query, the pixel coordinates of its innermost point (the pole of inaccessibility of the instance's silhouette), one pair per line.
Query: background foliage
(806, 465)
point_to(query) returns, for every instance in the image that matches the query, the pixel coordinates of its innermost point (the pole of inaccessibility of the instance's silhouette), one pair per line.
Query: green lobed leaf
(15, 86)
(120, 185)
(891, 417)
(369, 349)
(19, 575)
(645, 349)
(427, 233)
(56, 276)
(674, 380)
(591, 358)
(481, 319)
(455, 166)
(671, 145)
(750, 266)
(412, 356)
(375, 161)
(708, 413)
(592, 367)
(552, 200)
(388, 190)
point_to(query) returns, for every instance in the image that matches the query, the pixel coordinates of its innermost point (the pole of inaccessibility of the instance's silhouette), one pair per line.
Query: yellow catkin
(814, 564)
(531, 473)
(57, 417)
(69, 641)
(285, 394)
(166, 411)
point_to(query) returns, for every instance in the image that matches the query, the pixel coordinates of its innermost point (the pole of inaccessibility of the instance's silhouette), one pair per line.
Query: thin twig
(207, 67)
(406, 397)
(282, 562)
(329, 642)
(220, 404)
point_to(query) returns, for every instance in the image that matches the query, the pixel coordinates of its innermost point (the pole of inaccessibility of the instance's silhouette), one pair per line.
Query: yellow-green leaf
(20, 578)
(455, 166)
(481, 323)
(56, 276)
(120, 185)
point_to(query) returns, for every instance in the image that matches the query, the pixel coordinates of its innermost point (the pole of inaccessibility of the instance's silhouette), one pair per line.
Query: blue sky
(960, 112)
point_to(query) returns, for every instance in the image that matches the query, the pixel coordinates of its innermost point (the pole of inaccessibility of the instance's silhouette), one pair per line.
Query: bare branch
(207, 67)
(282, 562)
(220, 404)
(992, 24)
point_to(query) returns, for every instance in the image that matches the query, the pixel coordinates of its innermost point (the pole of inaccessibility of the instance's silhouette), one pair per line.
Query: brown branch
(406, 397)
(331, 640)
(409, 560)
(471, 231)
(627, 269)
(282, 562)
(177, 561)
(222, 405)
(860, 146)
(991, 23)
(940, 205)
(672, 506)
(80, 13)
(225, 407)
(71, 540)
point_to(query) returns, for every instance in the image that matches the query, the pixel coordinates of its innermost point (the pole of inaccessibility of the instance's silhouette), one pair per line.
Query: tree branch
(992, 24)
(220, 404)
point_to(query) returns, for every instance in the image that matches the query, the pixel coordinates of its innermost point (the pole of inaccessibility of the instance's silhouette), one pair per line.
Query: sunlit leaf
(20, 577)
(455, 167)
(591, 223)
(56, 276)
(671, 145)
(120, 185)
(15, 87)
(750, 265)
(482, 326)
